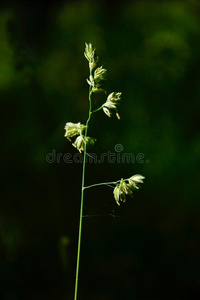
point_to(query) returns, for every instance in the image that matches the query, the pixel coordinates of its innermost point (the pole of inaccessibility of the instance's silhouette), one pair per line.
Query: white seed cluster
(95, 81)
(74, 129)
(126, 187)
(81, 141)
(90, 56)
(111, 104)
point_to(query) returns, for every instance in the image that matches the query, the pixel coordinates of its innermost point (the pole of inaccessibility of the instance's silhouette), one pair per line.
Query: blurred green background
(152, 249)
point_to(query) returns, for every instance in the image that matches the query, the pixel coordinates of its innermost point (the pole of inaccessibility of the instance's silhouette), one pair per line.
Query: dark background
(152, 249)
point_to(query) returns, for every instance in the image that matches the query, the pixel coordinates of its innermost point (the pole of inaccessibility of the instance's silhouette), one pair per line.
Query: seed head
(111, 104)
(118, 195)
(95, 80)
(135, 180)
(126, 187)
(90, 55)
(73, 129)
(90, 81)
(81, 141)
(100, 74)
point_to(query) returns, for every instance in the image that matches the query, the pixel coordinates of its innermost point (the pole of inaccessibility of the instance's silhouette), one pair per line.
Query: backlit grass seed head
(90, 55)
(135, 180)
(107, 111)
(118, 195)
(124, 189)
(96, 80)
(121, 191)
(99, 74)
(90, 81)
(111, 104)
(114, 96)
(73, 129)
(81, 141)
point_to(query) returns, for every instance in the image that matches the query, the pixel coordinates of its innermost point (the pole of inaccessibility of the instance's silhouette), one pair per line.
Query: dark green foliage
(152, 250)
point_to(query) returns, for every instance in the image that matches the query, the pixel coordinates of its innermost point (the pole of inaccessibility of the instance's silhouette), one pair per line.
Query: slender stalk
(98, 109)
(82, 197)
(102, 183)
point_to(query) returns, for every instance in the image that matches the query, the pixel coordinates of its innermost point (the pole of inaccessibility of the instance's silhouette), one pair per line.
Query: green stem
(102, 183)
(97, 109)
(82, 198)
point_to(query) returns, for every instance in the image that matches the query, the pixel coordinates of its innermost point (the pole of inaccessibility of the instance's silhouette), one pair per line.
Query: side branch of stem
(102, 183)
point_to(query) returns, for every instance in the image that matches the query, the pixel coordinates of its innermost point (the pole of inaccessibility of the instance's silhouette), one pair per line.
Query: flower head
(135, 180)
(99, 74)
(95, 80)
(73, 129)
(121, 191)
(126, 187)
(90, 55)
(118, 195)
(81, 141)
(90, 81)
(111, 104)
